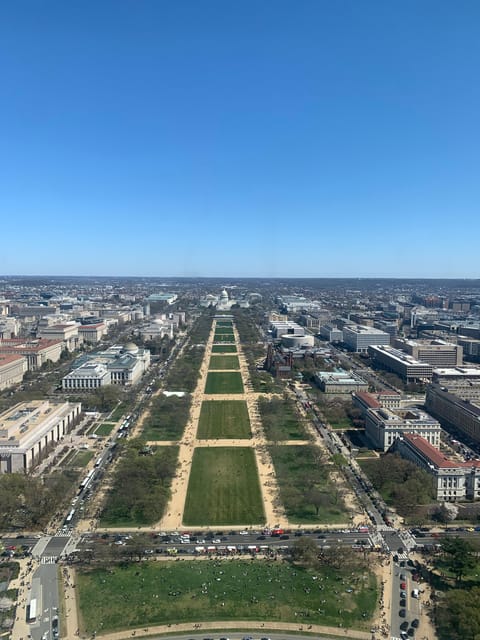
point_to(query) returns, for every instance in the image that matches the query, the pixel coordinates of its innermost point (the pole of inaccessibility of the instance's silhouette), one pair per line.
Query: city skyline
(272, 140)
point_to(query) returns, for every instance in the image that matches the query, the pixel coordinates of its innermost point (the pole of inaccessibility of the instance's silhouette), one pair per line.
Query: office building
(331, 333)
(438, 353)
(404, 365)
(287, 327)
(37, 351)
(383, 427)
(358, 338)
(454, 481)
(12, 369)
(364, 400)
(29, 431)
(92, 333)
(67, 333)
(340, 381)
(453, 412)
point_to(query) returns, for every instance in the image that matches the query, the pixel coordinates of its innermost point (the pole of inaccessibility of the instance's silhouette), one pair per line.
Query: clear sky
(240, 138)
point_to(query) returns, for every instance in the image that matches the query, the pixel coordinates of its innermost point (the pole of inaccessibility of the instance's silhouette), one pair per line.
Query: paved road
(402, 601)
(46, 591)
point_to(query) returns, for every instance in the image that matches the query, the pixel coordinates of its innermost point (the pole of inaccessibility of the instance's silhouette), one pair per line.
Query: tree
(304, 550)
(459, 616)
(446, 512)
(458, 556)
(319, 499)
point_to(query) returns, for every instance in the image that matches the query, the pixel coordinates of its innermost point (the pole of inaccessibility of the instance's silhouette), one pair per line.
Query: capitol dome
(224, 295)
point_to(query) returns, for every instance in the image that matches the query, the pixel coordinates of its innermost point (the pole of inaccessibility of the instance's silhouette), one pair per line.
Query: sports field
(224, 419)
(224, 382)
(143, 594)
(224, 348)
(224, 362)
(223, 488)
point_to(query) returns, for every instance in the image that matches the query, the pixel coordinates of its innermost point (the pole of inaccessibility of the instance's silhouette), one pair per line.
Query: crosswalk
(48, 559)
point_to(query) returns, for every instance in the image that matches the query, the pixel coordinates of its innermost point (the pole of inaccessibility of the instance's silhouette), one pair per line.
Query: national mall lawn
(148, 593)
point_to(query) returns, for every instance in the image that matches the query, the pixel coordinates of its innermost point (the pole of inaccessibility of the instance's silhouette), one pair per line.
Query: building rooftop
(32, 345)
(435, 457)
(340, 377)
(361, 329)
(399, 355)
(368, 399)
(19, 423)
(457, 372)
(7, 358)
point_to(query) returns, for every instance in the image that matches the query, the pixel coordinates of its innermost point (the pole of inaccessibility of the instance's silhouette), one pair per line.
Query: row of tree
(167, 418)
(400, 482)
(141, 485)
(28, 502)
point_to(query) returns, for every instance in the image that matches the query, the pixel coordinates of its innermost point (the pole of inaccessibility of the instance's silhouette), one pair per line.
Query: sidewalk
(21, 629)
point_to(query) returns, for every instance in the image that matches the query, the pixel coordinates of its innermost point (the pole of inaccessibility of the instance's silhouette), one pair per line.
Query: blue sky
(240, 138)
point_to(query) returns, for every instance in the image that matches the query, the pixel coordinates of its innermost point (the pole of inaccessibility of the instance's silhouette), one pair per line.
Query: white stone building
(30, 429)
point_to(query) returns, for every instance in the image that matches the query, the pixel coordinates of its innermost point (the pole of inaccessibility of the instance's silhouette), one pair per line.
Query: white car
(244, 533)
(215, 541)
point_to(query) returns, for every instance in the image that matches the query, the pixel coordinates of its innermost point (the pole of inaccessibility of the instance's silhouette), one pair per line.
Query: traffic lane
(340, 537)
(399, 596)
(19, 541)
(403, 585)
(260, 633)
(394, 542)
(48, 577)
(55, 546)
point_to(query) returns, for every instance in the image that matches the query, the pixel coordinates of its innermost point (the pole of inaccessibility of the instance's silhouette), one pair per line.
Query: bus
(86, 481)
(32, 610)
(68, 519)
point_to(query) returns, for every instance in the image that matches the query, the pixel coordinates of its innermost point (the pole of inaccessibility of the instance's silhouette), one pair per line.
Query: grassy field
(219, 330)
(105, 429)
(224, 382)
(81, 459)
(224, 348)
(305, 486)
(281, 421)
(224, 337)
(224, 362)
(118, 412)
(148, 593)
(223, 488)
(224, 323)
(224, 419)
